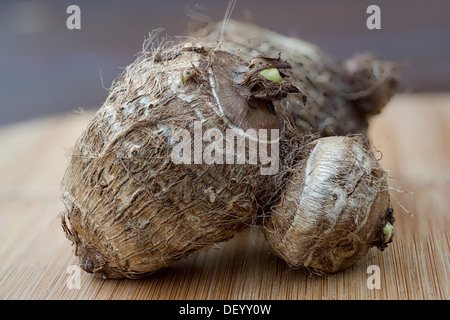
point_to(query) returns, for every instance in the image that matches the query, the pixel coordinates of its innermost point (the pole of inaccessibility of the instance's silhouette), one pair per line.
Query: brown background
(35, 255)
(46, 68)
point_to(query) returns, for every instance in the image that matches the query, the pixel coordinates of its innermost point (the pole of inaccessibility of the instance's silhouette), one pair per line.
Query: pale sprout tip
(272, 75)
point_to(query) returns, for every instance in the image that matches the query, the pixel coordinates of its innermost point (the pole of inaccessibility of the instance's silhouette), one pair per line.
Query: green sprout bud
(272, 75)
(186, 75)
(388, 231)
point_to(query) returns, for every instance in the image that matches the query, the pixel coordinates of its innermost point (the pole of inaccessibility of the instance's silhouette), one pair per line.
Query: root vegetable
(334, 207)
(132, 210)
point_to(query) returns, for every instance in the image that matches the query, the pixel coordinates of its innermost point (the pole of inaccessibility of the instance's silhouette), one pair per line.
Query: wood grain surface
(413, 139)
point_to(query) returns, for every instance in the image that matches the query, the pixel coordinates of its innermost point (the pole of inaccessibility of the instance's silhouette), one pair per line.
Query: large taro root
(140, 193)
(130, 209)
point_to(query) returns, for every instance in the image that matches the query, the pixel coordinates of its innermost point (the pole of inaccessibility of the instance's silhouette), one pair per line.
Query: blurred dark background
(45, 68)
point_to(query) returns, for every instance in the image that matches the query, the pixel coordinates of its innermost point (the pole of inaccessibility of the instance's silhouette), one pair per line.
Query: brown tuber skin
(130, 210)
(340, 96)
(333, 208)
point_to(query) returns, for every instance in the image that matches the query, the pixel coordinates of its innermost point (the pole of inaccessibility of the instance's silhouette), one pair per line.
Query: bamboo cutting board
(412, 135)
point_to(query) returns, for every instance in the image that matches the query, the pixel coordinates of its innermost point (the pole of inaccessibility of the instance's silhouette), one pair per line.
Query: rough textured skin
(339, 97)
(333, 208)
(130, 209)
